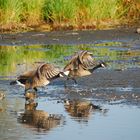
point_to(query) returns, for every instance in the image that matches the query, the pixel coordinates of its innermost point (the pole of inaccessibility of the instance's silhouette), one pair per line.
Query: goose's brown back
(73, 63)
(25, 76)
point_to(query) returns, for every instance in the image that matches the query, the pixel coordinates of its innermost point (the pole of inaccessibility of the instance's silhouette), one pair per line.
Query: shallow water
(110, 98)
(118, 122)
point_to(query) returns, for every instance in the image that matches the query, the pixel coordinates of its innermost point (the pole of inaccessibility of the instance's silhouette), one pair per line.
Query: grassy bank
(79, 14)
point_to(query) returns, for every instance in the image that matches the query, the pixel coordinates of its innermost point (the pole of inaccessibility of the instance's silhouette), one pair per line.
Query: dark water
(102, 106)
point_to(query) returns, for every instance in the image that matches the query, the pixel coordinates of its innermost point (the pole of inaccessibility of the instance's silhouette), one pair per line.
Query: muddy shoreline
(126, 35)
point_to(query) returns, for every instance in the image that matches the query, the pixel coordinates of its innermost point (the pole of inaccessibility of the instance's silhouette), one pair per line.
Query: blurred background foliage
(71, 14)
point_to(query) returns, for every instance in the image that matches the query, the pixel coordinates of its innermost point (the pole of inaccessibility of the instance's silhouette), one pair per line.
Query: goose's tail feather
(16, 82)
(13, 82)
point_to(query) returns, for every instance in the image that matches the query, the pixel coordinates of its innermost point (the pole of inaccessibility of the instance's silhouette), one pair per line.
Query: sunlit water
(115, 90)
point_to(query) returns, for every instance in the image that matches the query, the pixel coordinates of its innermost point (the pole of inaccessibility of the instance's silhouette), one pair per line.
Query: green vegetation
(24, 58)
(67, 13)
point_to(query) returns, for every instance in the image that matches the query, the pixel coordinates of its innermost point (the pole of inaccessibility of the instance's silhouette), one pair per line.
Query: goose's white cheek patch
(66, 73)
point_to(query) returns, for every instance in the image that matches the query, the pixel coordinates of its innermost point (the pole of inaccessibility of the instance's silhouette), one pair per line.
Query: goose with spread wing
(81, 64)
(38, 77)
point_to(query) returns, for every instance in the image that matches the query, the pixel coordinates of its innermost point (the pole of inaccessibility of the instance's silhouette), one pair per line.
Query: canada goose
(38, 77)
(81, 64)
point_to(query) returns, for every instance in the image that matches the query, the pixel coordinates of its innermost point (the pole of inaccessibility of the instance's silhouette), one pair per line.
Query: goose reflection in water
(38, 118)
(81, 110)
(30, 96)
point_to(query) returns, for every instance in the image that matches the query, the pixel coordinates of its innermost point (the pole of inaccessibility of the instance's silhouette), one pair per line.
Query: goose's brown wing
(87, 60)
(73, 63)
(47, 70)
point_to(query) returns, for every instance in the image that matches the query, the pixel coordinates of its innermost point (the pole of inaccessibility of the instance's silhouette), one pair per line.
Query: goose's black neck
(96, 67)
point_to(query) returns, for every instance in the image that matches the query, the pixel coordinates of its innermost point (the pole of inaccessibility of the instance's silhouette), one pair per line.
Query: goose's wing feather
(47, 70)
(87, 60)
(73, 63)
(81, 58)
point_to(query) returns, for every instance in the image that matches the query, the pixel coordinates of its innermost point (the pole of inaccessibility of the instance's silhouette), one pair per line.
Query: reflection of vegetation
(13, 56)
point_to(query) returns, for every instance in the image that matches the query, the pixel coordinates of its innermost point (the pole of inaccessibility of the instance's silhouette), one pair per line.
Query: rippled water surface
(104, 105)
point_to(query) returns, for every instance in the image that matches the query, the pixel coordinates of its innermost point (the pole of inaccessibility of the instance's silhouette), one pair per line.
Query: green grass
(10, 11)
(67, 12)
(32, 11)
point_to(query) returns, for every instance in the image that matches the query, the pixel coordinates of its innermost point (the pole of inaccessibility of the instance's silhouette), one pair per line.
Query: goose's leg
(75, 82)
(65, 84)
(26, 89)
(35, 89)
(68, 78)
